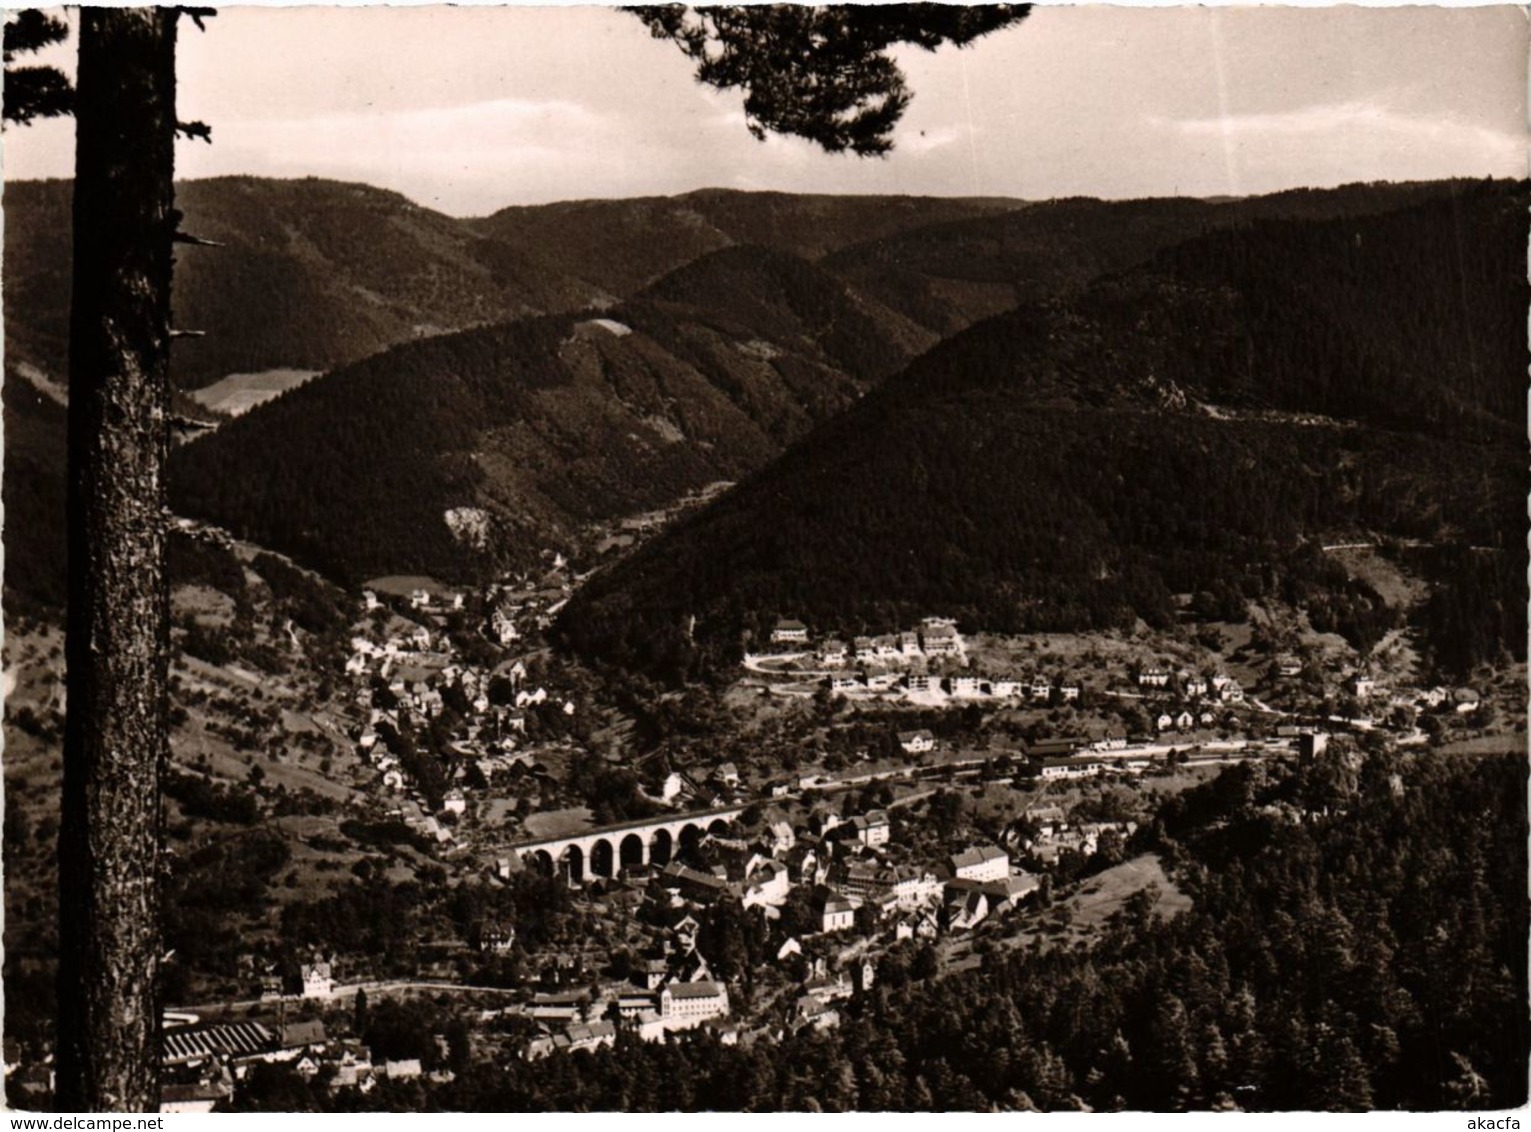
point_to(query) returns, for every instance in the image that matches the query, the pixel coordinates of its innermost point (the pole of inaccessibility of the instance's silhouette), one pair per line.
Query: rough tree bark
(116, 733)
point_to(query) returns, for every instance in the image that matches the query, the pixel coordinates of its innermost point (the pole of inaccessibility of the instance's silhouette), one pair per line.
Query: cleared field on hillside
(1078, 917)
(238, 393)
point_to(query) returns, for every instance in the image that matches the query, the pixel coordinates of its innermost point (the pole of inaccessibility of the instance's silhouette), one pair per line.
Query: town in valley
(696, 582)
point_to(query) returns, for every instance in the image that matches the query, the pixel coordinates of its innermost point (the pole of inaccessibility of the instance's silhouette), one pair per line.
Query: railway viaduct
(605, 852)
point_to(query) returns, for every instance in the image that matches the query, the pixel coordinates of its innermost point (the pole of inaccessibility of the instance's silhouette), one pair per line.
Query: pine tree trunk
(116, 734)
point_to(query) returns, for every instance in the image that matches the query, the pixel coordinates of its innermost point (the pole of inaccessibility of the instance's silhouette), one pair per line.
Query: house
(1112, 740)
(909, 644)
(420, 638)
(827, 989)
(833, 911)
(1435, 697)
(1465, 700)
(650, 973)
(369, 601)
(317, 982)
(727, 774)
(453, 802)
(861, 881)
(940, 638)
(921, 925)
(899, 887)
(419, 599)
(405, 1069)
(684, 932)
(981, 862)
(864, 649)
(916, 742)
(768, 886)
(1068, 690)
(1069, 768)
(845, 682)
(1005, 688)
(832, 652)
(576, 1036)
(823, 821)
(1362, 686)
(495, 939)
(871, 829)
(675, 785)
(917, 682)
(817, 1013)
(591, 1035)
(805, 866)
(1288, 665)
(1040, 688)
(1195, 686)
(693, 884)
(788, 631)
(503, 628)
(1012, 890)
(782, 835)
(560, 1006)
(966, 686)
(967, 911)
(1153, 678)
(1185, 721)
(683, 1005)
(1164, 721)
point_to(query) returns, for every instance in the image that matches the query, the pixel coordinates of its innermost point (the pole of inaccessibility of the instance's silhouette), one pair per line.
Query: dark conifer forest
(1356, 942)
(1198, 424)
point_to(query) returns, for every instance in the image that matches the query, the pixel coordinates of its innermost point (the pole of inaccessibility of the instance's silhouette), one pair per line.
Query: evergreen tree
(31, 91)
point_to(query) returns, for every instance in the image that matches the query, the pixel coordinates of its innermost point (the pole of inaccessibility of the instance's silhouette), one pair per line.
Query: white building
(317, 982)
(916, 742)
(981, 862)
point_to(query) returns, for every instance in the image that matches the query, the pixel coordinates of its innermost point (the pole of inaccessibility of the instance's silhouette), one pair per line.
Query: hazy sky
(469, 109)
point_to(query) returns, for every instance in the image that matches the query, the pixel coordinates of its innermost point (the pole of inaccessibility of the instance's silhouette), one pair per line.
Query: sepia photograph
(773, 558)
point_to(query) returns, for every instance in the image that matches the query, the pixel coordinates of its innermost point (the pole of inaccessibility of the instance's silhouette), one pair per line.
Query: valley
(734, 637)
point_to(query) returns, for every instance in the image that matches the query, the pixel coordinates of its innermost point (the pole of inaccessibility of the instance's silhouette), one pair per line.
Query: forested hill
(312, 274)
(948, 276)
(545, 425)
(1195, 424)
(623, 245)
(315, 274)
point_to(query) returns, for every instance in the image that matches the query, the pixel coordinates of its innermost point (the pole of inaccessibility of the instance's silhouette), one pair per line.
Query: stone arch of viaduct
(606, 852)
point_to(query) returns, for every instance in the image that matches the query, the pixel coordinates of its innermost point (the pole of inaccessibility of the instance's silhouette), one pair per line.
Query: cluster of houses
(526, 605)
(851, 894)
(669, 990)
(408, 675)
(929, 687)
(1052, 834)
(917, 902)
(722, 786)
(310, 977)
(1218, 687)
(936, 638)
(204, 1063)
